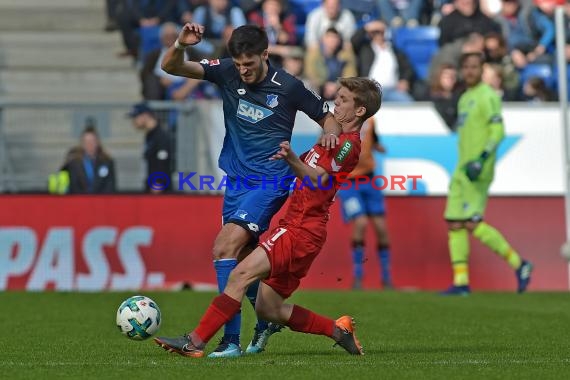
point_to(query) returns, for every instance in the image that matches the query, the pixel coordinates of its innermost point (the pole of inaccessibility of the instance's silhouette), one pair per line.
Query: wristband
(179, 46)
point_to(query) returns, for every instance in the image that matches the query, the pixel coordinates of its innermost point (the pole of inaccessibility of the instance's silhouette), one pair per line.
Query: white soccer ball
(138, 317)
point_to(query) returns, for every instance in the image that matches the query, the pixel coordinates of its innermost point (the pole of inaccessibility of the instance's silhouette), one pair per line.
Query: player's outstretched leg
(181, 345)
(341, 330)
(345, 327)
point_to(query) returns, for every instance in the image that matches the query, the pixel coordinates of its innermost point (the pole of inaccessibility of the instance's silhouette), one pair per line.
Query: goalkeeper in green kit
(480, 130)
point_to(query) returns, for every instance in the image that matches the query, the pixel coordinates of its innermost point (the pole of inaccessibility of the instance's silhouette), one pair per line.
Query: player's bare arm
(317, 175)
(174, 63)
(331, 131)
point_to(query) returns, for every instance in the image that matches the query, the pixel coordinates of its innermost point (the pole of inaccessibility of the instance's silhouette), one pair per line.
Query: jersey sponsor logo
(272, 100)
(251, 112)
(241, 91)
(214, 62)
(343, 151)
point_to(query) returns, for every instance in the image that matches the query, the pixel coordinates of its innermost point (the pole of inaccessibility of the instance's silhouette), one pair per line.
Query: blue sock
(357, 259)
(385, 272)
(251, 294)
(223, 268)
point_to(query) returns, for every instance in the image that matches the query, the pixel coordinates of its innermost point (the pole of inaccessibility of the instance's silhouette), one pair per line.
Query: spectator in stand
(219, 18)
(154, 82)
(294, 65)
(496, 53)
(380, 61)
(536, 91)
(529, 31)
(493, 76)
(91, 169)
(132, 15)
(329, 14)
(279, 26)
(467, 18)
(398, 13)
(444, 92)
(326, 62)
(185, 8)
(450, 53)
(157, 148)
(249, 6)
(175, 87)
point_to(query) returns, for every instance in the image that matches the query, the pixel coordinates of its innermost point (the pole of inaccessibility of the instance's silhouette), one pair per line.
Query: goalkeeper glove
(473, 168)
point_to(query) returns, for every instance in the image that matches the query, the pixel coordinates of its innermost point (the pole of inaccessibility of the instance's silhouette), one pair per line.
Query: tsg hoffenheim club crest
(272, 100)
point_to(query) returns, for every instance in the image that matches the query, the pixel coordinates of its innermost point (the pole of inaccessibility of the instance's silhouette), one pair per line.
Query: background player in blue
(363, 202)
(260, 104)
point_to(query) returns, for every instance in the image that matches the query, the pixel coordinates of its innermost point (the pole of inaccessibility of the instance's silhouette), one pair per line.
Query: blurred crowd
(411, 47)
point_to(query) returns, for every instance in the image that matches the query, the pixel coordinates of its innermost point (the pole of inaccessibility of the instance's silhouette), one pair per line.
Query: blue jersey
(259, 117)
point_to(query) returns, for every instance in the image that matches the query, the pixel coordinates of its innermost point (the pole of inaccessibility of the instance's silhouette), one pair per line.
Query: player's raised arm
(174, 63)
(317, 175)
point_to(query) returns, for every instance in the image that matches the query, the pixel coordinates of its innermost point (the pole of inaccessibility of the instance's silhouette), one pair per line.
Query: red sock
(220, 311)
(306, 321)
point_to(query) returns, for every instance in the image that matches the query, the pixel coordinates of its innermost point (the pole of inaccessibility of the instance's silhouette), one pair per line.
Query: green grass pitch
(405, 336)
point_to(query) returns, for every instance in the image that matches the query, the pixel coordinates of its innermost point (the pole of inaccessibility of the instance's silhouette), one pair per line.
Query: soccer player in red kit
(282, 260)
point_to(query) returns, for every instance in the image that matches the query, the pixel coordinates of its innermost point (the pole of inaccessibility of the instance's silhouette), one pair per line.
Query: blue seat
(419, 45)
(301, 8)
(540, 70)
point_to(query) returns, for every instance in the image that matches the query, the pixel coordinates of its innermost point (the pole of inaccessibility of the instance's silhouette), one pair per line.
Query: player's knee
(471, 225)
(224, 249)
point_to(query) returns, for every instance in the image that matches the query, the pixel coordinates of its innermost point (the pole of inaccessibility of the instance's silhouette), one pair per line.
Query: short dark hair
(465, 56)
(248, 40)
(368, 93)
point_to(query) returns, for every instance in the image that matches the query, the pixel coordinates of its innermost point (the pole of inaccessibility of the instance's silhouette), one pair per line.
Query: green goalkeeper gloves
(473, 168)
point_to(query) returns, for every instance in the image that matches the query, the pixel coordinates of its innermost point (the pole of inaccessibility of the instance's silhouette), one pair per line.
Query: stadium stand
(61, 55)
(419, 44)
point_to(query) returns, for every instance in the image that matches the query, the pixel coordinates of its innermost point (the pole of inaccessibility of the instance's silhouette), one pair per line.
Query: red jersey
(309, 205)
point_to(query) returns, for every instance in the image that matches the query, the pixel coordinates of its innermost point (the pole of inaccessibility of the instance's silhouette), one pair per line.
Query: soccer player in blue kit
(260, 103)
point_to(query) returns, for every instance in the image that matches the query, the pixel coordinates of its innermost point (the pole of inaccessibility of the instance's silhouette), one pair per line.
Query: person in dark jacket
(379, 60)
(467, 18)
(91, 169)
(157, 149)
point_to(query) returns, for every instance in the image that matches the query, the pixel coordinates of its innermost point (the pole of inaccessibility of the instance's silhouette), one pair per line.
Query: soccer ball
(138, 317)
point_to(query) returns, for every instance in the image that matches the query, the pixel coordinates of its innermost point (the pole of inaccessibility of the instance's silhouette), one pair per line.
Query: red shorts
(291, 253)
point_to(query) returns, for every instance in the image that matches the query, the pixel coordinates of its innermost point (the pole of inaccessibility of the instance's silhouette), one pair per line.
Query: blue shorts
(366, 200)
(253, 207)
